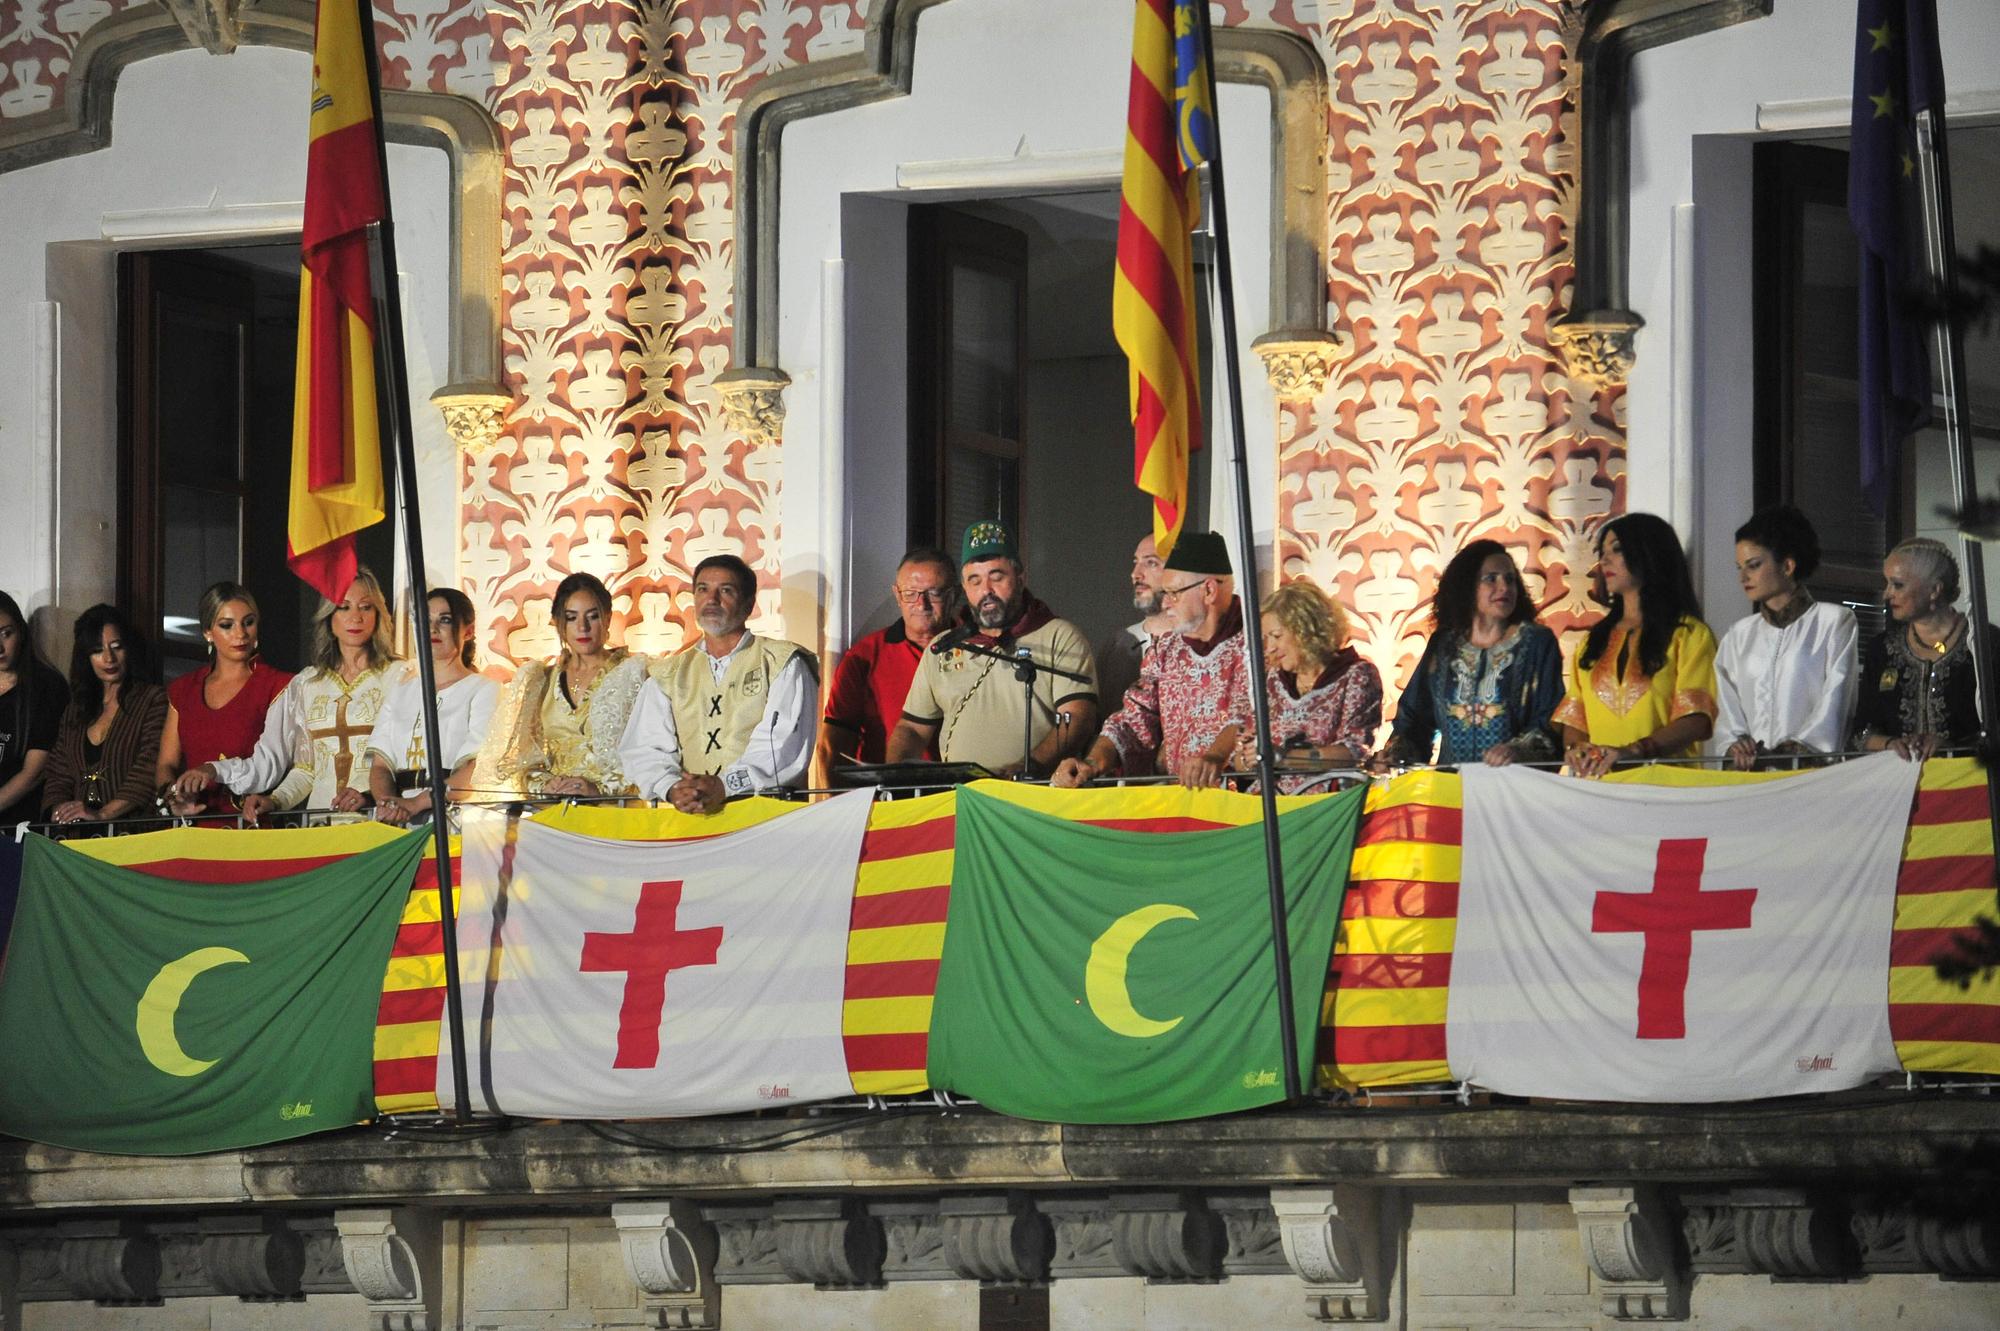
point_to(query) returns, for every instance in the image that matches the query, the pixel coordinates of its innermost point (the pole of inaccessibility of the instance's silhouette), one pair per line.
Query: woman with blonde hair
(1325, 701)
(310, 753)
(1917, 685)
(557, 727)
(218, 710)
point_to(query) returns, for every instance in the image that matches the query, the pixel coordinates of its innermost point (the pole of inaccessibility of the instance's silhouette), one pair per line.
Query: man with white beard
(730, 715)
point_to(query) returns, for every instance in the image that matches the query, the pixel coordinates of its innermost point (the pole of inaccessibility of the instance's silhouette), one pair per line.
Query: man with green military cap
(972, 705)
(1193, 685)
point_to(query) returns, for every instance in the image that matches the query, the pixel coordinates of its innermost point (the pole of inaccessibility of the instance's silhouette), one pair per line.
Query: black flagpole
(392, 397)
(1246, 541)
(1941, 247)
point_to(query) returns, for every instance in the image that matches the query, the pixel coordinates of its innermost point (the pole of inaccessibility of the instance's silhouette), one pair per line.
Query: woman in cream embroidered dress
(1642, 685)
(557, 728)
(310, 754)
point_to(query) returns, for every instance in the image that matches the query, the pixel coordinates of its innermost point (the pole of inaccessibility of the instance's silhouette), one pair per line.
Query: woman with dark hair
(398, 768)
(109, 741)
(1643, 683)
(557, 728)
(1917, 689)
(1490, 677)
(309, 754)
(218, 710)
(32, 698)
(1784, 675)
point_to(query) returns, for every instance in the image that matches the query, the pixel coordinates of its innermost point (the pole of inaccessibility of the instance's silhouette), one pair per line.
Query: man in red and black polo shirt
(869, 687)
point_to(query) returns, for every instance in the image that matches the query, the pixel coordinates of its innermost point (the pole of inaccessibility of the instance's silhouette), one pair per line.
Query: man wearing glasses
(874, 676)
(1192, 684)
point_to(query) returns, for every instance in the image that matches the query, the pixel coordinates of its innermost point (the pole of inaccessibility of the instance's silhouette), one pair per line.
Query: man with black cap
(972, 705)
(1193, 684)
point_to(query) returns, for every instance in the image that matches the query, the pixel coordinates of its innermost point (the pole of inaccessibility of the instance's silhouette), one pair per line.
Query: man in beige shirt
(972, 705)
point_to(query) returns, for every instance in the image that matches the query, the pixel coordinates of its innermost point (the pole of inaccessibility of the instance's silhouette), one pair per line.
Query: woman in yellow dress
(557, 728)
(1642, 686)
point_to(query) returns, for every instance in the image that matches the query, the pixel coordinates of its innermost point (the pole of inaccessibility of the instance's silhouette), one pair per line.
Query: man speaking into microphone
(972, 705)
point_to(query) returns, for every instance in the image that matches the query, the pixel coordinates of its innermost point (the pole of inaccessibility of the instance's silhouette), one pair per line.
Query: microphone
(950, 639)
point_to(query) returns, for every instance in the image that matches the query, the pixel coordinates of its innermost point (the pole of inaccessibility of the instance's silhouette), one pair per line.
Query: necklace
(1937, 648)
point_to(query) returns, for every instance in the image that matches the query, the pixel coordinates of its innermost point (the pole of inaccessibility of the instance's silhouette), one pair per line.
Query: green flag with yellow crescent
(1101, 975)
(147, 1016)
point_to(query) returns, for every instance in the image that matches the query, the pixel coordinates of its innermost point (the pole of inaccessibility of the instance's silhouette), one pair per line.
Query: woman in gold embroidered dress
(1642, 685)
(557, 728)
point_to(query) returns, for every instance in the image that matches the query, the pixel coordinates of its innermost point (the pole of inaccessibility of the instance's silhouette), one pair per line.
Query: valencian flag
(1101, 975)
(336, 438)
(1897, 74)
(1169, 132)
(147, 1016)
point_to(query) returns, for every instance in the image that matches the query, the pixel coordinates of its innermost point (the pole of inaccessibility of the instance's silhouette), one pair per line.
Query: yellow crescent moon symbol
(155, 1019)
(1104, 975)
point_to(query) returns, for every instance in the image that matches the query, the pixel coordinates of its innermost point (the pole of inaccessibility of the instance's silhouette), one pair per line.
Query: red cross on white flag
(1647, 943)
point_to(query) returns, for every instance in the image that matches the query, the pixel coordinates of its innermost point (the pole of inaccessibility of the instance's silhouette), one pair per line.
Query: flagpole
(1940, 251)
(1246, 541)
(392, 407)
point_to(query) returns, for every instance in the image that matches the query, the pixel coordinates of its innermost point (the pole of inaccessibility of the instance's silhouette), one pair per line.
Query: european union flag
(1897, 74)
(1194, 117)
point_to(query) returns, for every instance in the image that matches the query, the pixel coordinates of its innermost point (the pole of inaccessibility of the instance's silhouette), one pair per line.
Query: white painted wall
(1697, 105)
(204, 149)
(965, 130)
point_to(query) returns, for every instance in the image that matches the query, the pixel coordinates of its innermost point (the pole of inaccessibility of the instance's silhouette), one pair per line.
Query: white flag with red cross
(635, 979)
(1649, 943)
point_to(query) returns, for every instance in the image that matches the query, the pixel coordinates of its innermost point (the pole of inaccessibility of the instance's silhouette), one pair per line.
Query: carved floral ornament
(473, 416)
(753, 402)
(1599, 349)
(1299, 362)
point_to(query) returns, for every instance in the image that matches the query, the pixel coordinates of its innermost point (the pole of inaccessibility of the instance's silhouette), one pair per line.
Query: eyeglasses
(923, 598)
(1167, 593)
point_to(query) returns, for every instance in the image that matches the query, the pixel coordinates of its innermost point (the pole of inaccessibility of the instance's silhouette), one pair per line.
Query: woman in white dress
(1785, 674)
(310, 753)
(397, 758)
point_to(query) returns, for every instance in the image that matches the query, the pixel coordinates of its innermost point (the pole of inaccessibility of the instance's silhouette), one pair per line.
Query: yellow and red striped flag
(336, 440)
(1169, 132)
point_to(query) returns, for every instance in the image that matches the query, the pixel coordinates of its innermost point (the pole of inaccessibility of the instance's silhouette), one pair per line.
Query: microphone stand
(1025, 668)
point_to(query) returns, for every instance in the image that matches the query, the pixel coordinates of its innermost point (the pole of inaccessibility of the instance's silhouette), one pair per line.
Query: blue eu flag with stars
(1897, 74)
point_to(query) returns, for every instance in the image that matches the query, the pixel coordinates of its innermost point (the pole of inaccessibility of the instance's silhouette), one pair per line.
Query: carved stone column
(1332, 1238)
(829, 1242)
(996, 1239)
(753, 401)
(1298, 362)
(474, 414)
(110, 1261)
(1629, 1245)
(670, 1254)
(1167, 1237)
(1599, 348)
(395, 1259)
(255, 1257)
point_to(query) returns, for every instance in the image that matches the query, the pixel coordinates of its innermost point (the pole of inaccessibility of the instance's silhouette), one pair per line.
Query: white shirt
(1796, 683)
(465, 711)
(297, 758)
(779, 749)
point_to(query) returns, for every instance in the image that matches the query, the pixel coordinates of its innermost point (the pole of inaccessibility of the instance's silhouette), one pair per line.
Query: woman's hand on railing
(1914, 748)
(571, 786)
(72, 811)
(349, 800)
(255, 807)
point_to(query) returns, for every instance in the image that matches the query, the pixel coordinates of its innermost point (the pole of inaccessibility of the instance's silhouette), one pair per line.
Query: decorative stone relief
(1600, 350)
(473, 417)
(109, 1261)
(670, 1254)
(394, 1258)
(996, 1239)
(1299, 363)
(1883, 1238)
(319, 1244)
(913, 1240)
(1777, 1232)
(1250, 1232)
(753, 402)
(746, 1243)
(255, 1257)
(829, 1242)
(1959, 1247)
(1083, 1239)
(38, 1272)
(1628, 1244)
(1332, 1238)
(1167, 1237)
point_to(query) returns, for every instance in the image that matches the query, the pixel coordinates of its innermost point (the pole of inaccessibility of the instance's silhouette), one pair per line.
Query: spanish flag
(1170, 128)
(336, 438)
